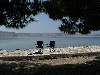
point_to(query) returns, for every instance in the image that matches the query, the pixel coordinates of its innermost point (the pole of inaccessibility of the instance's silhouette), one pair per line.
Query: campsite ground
(81, 65)
(80, 60)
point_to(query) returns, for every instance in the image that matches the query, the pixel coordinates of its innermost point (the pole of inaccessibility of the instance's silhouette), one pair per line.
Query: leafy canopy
(77, 16)
(18, 13)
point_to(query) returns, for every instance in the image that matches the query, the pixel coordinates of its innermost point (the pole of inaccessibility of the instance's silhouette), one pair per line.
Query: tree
(77, 16)
(18, 13)
(80, 16)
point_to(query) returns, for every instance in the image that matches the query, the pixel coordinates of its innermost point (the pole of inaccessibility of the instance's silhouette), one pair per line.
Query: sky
(43, 25)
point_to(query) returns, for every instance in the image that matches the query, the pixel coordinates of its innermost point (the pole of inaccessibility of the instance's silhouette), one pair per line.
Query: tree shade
(77, 16)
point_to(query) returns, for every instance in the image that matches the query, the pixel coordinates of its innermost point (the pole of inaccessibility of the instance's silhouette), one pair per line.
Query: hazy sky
(44, 25)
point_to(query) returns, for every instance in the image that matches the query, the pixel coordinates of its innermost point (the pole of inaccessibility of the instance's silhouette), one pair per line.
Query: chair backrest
(52, 44)
(39, 44)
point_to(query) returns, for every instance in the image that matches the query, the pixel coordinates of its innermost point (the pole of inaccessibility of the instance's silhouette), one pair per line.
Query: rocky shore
(76, 60)
(48, 51)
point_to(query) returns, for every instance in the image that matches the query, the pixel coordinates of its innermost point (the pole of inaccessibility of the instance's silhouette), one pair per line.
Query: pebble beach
(48, 51)
(79, 64)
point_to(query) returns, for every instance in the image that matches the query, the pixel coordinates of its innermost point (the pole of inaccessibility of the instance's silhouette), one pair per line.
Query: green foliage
(77, 16)
(18, 13)
(84, 15)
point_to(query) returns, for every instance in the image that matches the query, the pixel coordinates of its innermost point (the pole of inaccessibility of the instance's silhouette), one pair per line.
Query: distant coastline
(13, 34)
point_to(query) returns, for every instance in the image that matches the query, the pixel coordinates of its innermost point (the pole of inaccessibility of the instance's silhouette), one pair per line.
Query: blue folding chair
(39, 44)
(52, 44)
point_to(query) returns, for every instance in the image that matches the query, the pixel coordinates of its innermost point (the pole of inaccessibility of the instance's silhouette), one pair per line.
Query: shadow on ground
(89, 68)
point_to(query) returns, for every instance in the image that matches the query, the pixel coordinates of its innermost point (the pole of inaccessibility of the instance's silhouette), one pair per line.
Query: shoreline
(49, 51)
(67, 61)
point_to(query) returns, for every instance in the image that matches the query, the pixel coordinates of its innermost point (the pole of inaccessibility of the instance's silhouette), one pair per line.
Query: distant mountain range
(13, 34)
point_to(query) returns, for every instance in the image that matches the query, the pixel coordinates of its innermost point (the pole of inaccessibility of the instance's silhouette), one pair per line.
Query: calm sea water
(29, 42)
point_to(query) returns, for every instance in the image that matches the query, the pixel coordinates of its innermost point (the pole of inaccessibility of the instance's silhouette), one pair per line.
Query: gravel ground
(84, 65)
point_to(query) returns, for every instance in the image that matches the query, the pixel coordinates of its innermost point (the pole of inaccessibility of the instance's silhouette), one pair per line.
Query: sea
(24, 43)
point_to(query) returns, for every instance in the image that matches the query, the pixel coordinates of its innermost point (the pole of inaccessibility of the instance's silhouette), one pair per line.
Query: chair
(52, 44)
(39, 44)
